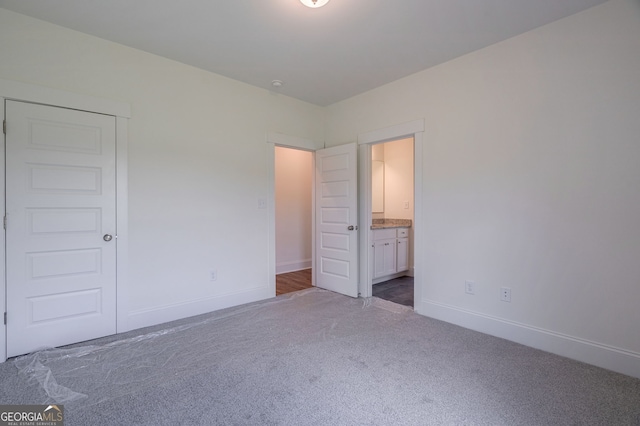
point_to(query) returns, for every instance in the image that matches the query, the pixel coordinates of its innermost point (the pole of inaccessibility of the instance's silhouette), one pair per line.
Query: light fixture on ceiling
(314, 3)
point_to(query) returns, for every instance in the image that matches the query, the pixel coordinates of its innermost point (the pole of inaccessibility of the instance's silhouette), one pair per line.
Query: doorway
(293, 194)
(415, 130)
(392, 195)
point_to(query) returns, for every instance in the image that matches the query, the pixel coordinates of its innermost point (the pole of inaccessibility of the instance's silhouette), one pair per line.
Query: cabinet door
(378, 259)
(390, 257)
(384, 258)
(402, 254)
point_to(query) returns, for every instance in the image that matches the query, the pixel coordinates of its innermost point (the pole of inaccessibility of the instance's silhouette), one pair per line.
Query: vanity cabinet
(390, 251)
(402, 255)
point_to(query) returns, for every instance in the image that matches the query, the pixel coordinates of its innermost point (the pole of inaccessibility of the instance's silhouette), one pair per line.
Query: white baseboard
(158, 315)
(297, 265)
(389, 277)
(598, 354)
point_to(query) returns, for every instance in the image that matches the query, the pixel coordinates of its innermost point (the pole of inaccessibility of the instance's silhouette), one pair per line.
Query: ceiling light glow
(314, 3)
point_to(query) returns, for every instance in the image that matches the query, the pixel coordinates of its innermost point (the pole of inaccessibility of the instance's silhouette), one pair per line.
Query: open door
(336, 219)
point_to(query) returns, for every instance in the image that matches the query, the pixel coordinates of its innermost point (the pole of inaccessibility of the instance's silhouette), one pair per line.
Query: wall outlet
(470, 287)
(262, 203)
(406, 204)
(213, 275)
(505, 294)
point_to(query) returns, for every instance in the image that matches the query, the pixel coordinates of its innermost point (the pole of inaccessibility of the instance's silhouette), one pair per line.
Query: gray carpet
(317, 358)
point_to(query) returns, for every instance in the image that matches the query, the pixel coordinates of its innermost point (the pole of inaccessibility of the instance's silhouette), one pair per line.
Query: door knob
(107, 237)
(350, 228)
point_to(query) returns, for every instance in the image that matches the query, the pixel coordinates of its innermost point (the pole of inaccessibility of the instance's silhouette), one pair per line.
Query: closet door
(61, 226)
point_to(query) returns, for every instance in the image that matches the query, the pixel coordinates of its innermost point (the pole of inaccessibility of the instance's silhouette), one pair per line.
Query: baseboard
(298, 265)
(598, 354)
(389, 277)
(158, 315)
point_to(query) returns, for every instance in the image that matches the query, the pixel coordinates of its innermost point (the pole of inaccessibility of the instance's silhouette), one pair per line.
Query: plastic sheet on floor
(95, 373)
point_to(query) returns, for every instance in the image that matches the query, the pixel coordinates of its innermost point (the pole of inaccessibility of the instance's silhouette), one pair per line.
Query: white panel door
(336, 220)
(61, 226)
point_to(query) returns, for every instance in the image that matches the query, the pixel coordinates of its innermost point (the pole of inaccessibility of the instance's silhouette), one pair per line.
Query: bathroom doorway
(293, 219)
(392, 214)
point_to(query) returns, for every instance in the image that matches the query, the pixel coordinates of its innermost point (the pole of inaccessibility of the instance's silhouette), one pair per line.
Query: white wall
(531, 181)
(398, 179)
(293, 183)
(197, 164)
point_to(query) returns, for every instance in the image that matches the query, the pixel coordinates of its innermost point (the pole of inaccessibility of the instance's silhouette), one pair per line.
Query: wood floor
(293, 281)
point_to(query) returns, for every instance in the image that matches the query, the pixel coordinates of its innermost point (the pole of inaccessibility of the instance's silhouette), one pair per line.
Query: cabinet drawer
(383, 234)
(403, 232)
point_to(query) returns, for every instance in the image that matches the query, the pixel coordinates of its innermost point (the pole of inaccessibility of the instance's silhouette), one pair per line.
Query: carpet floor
(317, 358)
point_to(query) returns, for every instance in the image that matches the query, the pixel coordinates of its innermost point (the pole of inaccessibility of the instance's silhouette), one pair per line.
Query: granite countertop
(390, 223)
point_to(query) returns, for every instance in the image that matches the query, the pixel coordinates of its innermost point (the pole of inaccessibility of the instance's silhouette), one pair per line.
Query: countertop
(390, 223)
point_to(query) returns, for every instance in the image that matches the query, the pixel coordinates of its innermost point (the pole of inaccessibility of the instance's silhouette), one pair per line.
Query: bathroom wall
(398, 169)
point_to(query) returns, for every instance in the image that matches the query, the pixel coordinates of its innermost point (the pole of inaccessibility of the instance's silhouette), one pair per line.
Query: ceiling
(322, 55)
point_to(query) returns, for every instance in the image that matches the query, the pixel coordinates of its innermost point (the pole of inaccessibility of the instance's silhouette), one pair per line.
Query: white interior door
(61, 226)
(336, 219)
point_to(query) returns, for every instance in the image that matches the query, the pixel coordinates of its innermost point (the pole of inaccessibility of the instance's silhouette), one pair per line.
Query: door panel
(336, 212)
(61, 200)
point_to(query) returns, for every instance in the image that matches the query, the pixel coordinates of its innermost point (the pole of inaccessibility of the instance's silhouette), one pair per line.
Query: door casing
(278, 139)
(413, 129)
(12, 90)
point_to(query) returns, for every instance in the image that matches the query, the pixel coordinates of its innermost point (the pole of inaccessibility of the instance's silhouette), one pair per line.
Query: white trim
(389, 277)
(60, 98)
(398, 131)
(293, 141)
(419, 220)
(364, 195)
(293, 266)
(605, 356)
(313, 220)
(122, 223)
(271, 217)
(14, 90)
(3, 285)
(175, 311)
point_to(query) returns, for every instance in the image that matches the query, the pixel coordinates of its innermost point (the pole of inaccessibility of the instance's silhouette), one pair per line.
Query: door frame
(12, 90)
(414, 129)
(293, 142)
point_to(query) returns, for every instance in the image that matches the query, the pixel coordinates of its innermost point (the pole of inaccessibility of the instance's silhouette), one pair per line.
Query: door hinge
(4, 222)
(5, 318)
(4, 126)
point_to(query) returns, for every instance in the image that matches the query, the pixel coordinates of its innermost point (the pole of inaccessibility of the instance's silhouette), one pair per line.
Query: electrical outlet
(213, 275)
(505, 294)
(470, 287)
(406, 204)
